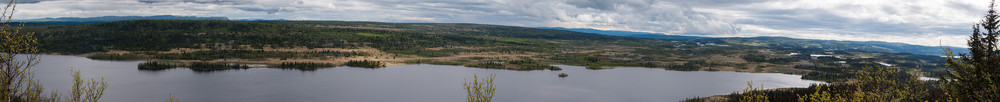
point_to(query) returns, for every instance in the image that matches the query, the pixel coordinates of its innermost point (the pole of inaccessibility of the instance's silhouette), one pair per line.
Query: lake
(398, 83)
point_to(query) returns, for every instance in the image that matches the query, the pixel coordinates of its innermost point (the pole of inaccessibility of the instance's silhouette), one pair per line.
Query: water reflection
(422, 83)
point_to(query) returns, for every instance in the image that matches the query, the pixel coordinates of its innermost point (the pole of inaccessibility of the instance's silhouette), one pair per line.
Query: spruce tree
(973, 76)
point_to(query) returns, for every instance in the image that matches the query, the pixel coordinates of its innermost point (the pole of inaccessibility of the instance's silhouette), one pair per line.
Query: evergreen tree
(973, 76)
(18, 53)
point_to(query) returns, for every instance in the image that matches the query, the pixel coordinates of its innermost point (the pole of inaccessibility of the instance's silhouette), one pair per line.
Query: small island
(310, 45)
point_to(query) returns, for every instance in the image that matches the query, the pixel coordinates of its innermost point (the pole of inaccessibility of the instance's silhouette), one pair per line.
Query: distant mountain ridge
(625, 33)
(88, 20)
(876, 46)
(916, 49)
(473, 45)
(873, 46)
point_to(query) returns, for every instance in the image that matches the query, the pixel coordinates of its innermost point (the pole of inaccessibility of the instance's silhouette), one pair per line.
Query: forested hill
(162, 35)
(507, 31)
(368, 44)
(873, 46)
(457, 29)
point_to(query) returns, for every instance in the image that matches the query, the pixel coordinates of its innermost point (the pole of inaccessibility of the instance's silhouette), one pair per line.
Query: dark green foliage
(826, 69)
(696, 99)
(365, 64)
(522, 65)
(554, 68)
(338, 53)
(469, 29)
(158, 65)
(876, 84)
(975, 76)
(147, 39)
(203, 66)
(971, 78)
(226, 54)
(422, 53)
(253, 54)
(769, 59)
(491, 65)
(229, 54)
(418, 61)
(827, 76)
(196, 66)
(597, 61)
(103, 56)
(139, 35)
(162, 35)
(593, 67)
(447, 63)
(563, 75)
(532, 65)
(689, 66)
(304, 65)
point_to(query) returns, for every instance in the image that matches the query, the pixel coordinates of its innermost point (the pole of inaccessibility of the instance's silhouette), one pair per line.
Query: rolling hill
(476, 45)
(874, 46)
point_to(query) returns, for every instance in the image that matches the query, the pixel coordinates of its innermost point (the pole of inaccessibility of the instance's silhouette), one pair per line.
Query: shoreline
(271, 63)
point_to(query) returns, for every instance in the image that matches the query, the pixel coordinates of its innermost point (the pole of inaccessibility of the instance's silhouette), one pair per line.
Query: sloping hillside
(474, 45)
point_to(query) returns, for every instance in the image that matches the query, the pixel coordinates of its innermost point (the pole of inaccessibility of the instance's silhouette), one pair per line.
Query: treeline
(230, 54)
(155, 36)
(304, 65)
(202, 66)
(196, 66)
(874, 84)
(159, 65)
(594, 61)
(217, 66)
(827, 76)
(522, 65)
(364, 64)
(463, 29)
(163, 35)
(689, 66)
(769, 59)
(227, 54)
(428, 61)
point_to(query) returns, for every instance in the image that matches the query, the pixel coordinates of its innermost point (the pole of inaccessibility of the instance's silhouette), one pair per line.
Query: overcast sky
(922, 22)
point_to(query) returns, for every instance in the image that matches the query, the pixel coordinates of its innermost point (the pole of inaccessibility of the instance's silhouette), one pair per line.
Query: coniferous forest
(474, 45)
(689, 38)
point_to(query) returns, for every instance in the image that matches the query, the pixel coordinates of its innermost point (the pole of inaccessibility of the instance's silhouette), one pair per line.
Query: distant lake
(399, 83)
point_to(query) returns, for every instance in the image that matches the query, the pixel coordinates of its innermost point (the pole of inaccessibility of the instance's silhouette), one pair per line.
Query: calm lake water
(399, 83)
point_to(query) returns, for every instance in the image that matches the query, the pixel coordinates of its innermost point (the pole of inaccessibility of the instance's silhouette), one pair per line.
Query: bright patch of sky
(921, 22)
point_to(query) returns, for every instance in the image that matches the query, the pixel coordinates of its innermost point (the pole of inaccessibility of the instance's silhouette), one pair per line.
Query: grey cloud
(610, 4)
(257, 9)
(25, 1)
(806, 19)
(222, 2)
(687, 17)
(719, 3)
(646, 15)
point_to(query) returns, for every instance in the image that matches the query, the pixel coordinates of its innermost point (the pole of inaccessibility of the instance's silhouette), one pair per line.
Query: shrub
(365, 64)
(304, 65)
(158, 66)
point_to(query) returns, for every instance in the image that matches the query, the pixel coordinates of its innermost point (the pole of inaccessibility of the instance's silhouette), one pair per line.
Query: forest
(321, 44)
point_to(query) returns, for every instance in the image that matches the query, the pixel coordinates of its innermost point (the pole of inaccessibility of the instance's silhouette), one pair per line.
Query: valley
(474, 45)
